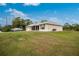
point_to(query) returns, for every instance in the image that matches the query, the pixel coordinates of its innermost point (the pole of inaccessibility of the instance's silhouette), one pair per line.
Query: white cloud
(17, 13)
(31, 4)
(3, 4)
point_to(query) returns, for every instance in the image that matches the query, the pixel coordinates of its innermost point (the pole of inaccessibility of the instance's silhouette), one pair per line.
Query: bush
(6, 28)
(74, 27)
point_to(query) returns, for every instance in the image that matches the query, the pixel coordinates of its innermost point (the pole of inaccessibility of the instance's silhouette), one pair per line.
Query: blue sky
(56, 12)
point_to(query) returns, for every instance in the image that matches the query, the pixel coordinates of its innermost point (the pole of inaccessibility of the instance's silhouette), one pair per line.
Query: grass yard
(39, 43)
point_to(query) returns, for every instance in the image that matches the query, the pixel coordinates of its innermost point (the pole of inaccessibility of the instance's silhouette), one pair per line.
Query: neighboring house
(16, 29)
(45, 26)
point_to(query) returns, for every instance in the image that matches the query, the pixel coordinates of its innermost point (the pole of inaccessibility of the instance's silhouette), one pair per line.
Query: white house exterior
(45, 26)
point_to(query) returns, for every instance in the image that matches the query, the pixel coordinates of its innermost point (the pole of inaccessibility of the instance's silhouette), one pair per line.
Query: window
(54, 29)
(42, 26)
(35, 27)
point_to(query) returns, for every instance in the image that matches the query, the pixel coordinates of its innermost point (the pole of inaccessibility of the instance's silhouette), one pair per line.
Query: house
(45, 26)
(16, 29)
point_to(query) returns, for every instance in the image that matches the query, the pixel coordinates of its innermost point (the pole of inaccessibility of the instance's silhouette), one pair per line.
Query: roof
(16, 29)
(53, 23)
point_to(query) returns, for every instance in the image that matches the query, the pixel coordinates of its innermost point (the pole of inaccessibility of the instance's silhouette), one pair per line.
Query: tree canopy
(74, 27)
(21, 23)
(44, 20)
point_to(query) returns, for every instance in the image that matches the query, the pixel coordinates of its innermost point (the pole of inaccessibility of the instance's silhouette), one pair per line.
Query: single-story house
(16, 29)
(45, 26)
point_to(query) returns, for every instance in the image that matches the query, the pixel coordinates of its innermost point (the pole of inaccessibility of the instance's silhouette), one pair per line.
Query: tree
(44, 20)
(28, 22)
(16, 22)
(21, 23)
(67, 26)
(75, 27)
(0, 27)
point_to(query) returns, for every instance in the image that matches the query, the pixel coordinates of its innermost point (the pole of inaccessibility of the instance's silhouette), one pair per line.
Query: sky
(56, 12)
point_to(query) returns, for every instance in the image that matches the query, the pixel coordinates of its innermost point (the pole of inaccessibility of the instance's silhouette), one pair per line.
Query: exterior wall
(40, 29)
(28, 29)
(48, 27)
(58, 28)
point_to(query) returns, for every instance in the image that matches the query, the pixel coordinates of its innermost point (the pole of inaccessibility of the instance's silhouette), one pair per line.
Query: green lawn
(39, 43)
